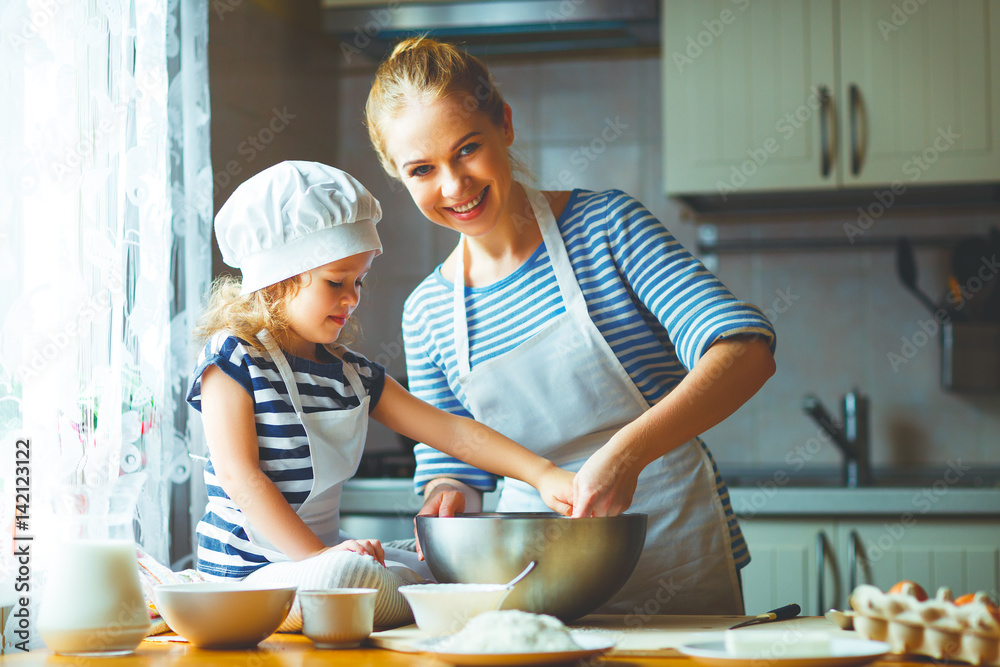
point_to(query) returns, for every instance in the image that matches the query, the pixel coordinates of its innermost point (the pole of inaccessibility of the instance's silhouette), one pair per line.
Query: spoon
(524, 573)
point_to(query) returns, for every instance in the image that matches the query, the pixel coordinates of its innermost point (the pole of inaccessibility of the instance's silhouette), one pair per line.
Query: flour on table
(510, 631)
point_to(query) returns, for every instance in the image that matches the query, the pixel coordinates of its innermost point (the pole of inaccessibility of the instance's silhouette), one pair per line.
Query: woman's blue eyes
(466, 150)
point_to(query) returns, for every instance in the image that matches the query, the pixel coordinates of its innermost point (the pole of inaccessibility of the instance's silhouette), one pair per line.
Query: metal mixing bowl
(582, 563)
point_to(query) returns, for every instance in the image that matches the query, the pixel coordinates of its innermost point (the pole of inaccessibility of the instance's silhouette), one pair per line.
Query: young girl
(600, 307)
(285, 408)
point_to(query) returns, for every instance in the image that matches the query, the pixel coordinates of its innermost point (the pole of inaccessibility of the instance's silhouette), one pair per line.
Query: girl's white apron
(336, 442)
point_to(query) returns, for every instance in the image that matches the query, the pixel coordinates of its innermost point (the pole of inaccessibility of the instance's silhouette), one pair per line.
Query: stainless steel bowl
(582, 563)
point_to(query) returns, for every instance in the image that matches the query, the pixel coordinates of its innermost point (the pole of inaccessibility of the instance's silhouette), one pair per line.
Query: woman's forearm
(725, 378)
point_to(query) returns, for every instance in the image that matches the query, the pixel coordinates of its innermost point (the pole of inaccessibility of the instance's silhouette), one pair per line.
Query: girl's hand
(556, 488)
(444, 500)
(446, 497)
(605, 484)
(371, 548)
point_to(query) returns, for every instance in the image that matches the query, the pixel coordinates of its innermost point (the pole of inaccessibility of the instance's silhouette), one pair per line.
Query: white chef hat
(292, 218)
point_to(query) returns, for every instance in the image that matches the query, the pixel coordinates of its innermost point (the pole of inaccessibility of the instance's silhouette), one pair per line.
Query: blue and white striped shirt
(223, 547)
(658, 307)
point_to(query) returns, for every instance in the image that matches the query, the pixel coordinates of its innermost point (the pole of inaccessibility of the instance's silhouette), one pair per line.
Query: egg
(975, 597)
(907, 587)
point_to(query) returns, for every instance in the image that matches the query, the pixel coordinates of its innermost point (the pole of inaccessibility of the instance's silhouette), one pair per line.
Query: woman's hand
(606, 483)
(371, 548)
(556, 488)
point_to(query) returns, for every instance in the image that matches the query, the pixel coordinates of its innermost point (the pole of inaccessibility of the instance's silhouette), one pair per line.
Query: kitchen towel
(153, 574)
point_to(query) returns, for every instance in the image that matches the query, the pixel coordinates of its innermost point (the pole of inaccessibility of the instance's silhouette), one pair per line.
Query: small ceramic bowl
(223, 615)
(444, 609)
(338, 617)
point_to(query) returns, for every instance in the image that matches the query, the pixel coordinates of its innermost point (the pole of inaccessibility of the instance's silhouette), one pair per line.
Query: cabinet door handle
(820, 572)
(852, 560)
(854, 94)
(826, 145)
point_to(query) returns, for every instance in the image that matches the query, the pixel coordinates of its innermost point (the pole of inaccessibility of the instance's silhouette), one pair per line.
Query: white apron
(563, 394)
(336, 442)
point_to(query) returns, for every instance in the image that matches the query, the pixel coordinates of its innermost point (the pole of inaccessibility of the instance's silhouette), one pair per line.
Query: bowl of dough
(581, 563)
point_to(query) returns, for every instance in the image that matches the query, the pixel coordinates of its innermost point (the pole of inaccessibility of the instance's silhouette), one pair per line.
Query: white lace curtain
(105, 243)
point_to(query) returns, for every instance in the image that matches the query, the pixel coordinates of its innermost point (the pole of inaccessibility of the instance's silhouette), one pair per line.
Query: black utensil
(780, 614)
(906, 267)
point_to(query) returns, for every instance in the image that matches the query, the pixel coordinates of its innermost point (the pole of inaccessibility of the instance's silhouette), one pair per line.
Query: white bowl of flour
(510, 631)
(444, 609)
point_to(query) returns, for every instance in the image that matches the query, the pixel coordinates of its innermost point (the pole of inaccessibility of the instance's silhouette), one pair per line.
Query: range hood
(496, 27)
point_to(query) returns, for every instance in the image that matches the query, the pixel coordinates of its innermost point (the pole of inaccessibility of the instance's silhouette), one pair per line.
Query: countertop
(281, 650)
(772, 496)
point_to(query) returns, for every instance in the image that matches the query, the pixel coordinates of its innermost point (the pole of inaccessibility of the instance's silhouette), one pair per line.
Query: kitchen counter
(281, 650)
(767, 500)
(772, 496)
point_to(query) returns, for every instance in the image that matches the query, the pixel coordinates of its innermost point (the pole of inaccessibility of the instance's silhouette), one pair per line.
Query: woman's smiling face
(454, 163)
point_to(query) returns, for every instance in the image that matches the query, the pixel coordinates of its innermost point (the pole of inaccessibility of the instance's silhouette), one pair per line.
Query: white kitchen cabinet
(919, 91)
(960, 553)
(826, 94)
(784, 558)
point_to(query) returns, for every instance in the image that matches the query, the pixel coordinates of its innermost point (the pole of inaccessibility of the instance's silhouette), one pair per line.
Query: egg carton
(937, 627)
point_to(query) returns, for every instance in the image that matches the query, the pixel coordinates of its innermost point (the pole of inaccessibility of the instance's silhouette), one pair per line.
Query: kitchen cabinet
(960, 553)
(829, 94)
(784, 563)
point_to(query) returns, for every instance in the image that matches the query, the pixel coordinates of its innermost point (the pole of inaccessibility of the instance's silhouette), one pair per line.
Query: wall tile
(519, 85)
(578, 99)
(614, 165)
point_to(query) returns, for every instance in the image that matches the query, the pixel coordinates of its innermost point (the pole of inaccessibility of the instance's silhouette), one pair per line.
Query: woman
(573, 323)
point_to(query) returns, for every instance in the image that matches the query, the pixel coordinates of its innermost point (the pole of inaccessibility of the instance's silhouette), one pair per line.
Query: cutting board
(638, 636)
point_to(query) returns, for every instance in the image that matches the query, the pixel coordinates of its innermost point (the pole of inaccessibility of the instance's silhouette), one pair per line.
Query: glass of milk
(92, 603)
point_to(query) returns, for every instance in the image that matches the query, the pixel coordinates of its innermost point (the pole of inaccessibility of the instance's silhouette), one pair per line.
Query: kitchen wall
(595, 123)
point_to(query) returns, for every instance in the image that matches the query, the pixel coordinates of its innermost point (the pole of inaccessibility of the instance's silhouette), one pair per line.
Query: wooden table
(294, 650)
